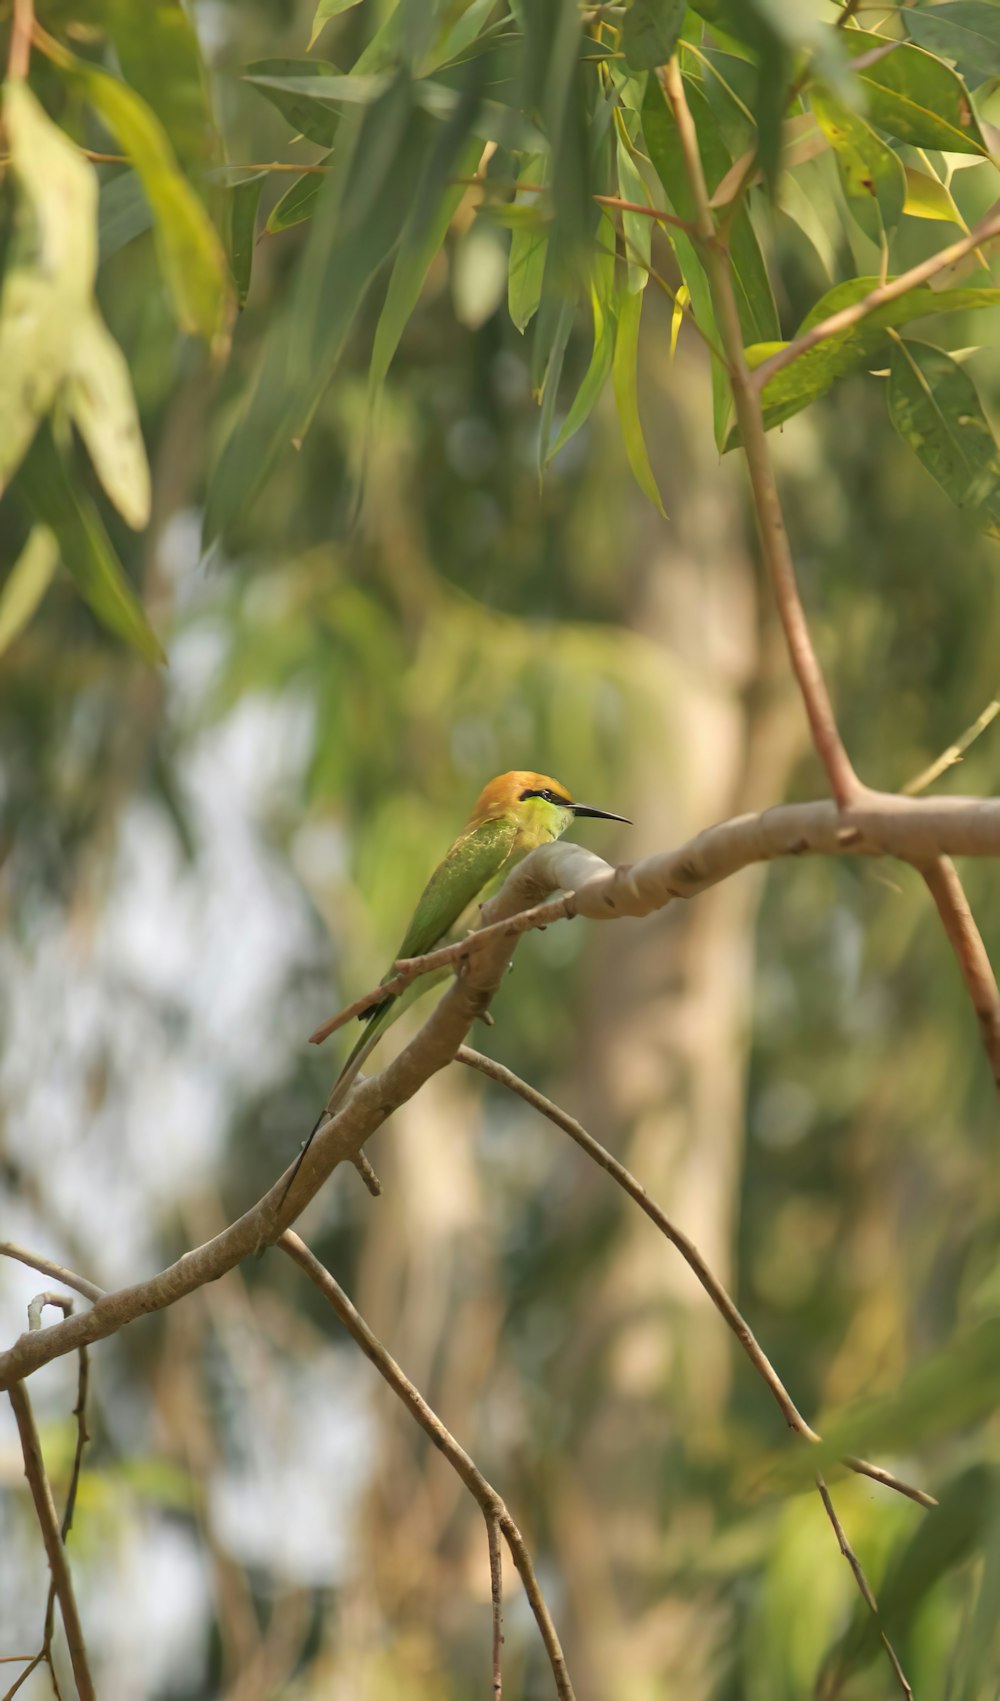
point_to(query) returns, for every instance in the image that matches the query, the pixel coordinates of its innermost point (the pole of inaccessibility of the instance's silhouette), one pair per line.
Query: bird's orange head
(542, 806)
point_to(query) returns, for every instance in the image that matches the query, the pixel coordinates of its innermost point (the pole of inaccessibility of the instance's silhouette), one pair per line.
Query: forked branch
(488, 1500)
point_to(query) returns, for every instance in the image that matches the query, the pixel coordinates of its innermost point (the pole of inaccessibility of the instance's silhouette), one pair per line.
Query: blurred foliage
(350, 369)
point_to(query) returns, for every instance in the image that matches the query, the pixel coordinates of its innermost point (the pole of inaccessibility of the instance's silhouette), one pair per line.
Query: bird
(514, 814)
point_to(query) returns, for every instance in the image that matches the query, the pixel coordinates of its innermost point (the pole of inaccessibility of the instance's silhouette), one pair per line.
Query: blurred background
(200, 864)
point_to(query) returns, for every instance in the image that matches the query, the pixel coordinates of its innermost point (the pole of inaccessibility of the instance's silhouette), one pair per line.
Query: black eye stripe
(547, 796)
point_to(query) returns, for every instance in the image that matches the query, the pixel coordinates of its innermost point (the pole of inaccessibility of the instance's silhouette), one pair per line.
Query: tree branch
(689, 1252)
(826, 737)
(959, 924)
(45, 1512)
(485, 1495)
(916, 830)
(47, 1267)
(987, 230)
(864, 1587)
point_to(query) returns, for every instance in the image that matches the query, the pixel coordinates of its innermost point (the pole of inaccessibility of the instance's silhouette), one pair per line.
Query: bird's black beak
(598, 814)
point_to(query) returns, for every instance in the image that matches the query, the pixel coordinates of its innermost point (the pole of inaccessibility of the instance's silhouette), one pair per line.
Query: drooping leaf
(453, 158)
(244, 199)
(934, 406)
(967, 31)
(158, 51)
(280, 80)
(361, 210)
(552, 330)
(624, 375)
(27, 583)
(56, 500)
(637, 230)
(49, 274)
(98, 396)
(650, 32)
(190, 251)
(871, 174)
(123, 213)
(595, 376)
(914, 96)
(298, 203)
(528, 249)
(812, 374)
(326, 10)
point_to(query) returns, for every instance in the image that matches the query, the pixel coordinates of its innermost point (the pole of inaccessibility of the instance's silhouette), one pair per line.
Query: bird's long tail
(375, 1023)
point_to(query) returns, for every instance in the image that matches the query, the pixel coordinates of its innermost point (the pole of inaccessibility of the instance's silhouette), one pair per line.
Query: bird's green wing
(471, 864)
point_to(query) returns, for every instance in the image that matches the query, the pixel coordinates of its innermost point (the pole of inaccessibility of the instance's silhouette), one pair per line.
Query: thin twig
(864, 1586)
(767, 504)
(987, 230)
(485, 1495)
(48, 1267)
(689, 1252)
(45, 1512)
(409, 969)
(496, 1596)
(954, 752)
(959, 923)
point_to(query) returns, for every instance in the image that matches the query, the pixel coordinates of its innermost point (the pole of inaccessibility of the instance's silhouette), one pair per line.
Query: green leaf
(188, 245)
(967, 31)
(160, 57)
(914, 96)
(651, 31)
(123, 213)
(49, 273)
(326, 10)
(244, 198)
(27, 583)
(934, 406)
(595, 376)
(812, 374)
(98, 396)
(637, 230)
(624, 376)
(555, 321)
(928, 198)
(361, 210)
(307, 116)
(871, 174)
(298, 203)
(51, 491)
(422, 238)
(528, 250)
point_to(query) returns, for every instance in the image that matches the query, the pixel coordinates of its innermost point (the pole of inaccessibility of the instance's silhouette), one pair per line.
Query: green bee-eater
(514, 814)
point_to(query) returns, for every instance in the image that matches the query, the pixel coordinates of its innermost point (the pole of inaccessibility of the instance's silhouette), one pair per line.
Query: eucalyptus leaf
(528, 249)
(98, 396)
(914, 96)
(286, 83)
(244, 199)
(159, 54)
(967, 31)
(871, 174)
(298, 203)
(934, 406)
(624, 374)
(27, 583)
(813, 372)
(650, 32)
(52, 493)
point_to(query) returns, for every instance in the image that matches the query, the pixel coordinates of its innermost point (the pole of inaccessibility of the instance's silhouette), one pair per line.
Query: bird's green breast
(473, 861)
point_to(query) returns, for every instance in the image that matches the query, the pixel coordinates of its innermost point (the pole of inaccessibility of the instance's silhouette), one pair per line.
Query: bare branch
(863, 1585)
(496, 1596)
(987, 230)
(959, 924)
(826, 737)
(688, 1251)
(485, 1495)
(45, 1512)
(47, 1267)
